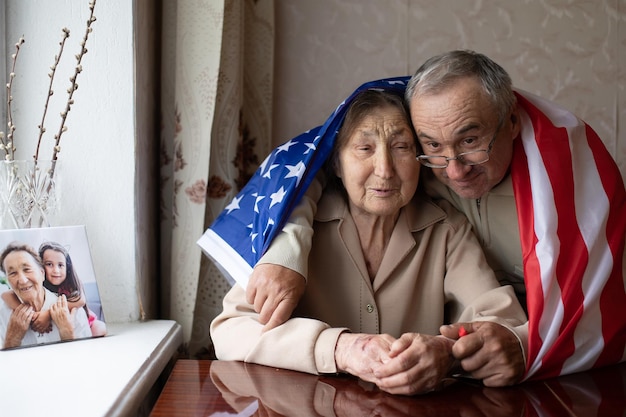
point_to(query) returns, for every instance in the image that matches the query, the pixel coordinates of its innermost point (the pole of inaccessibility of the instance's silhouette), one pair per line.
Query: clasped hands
(414, 363)
(24, 316)
(418, 363)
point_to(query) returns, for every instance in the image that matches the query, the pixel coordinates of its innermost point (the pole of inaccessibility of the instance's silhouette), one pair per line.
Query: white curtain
(217, 82)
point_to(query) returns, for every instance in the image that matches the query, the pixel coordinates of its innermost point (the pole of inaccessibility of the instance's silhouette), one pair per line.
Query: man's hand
(19, 323)
(360, 354)
(275, 292)
(60, 314)
(489, 351)
(418, 363)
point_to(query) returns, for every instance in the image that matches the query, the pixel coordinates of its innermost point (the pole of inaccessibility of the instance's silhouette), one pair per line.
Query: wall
(98, 150)
(567, 50)
(3, 74)
(571, 51)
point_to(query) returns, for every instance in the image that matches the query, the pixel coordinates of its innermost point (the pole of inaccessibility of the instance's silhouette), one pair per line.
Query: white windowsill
(107, 376)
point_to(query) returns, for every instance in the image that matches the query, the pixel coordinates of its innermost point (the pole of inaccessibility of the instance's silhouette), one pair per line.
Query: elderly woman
(25, 274)
(387, 268)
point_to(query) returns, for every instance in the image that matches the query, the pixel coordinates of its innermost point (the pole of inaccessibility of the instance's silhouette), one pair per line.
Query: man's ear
(515, 122)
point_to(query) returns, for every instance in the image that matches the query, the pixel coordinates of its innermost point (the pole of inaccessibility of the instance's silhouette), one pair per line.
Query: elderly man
(25, 274)
(545, 199)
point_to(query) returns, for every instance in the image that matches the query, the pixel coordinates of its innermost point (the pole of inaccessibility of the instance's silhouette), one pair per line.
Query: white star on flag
(268, 173)
(234, 205)
(296, 171)
(256, 203)
(285, 146)
(310, 147)
(270, 223)
(277, 197)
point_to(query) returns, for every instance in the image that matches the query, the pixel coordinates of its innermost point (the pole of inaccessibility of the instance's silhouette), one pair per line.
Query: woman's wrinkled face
(25, 277)
(55, 266)
(377, 163)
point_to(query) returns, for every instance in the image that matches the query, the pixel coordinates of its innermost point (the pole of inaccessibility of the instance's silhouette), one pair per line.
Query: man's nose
(456, 170)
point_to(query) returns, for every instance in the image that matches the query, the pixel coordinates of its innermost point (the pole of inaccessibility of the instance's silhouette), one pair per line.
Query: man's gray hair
(441, 71)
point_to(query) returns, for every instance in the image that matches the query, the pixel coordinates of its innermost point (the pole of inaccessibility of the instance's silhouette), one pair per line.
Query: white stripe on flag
(544, 214)
(590, 199)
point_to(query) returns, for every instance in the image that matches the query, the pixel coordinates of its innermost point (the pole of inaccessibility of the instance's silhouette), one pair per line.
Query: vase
(29, 193)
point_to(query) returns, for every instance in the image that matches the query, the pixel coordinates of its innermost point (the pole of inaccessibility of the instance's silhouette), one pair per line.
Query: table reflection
(253, 390)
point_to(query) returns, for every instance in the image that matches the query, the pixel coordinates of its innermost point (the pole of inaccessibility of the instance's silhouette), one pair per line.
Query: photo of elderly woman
(42, 299)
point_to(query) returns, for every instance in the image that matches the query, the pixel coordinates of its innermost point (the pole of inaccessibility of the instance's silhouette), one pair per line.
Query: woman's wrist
(342, 351)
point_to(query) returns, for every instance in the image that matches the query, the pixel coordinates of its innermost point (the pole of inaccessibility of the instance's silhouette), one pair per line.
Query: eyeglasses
(466, 158)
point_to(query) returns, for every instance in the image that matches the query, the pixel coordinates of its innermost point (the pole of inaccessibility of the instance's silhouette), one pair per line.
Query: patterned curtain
(217, 82)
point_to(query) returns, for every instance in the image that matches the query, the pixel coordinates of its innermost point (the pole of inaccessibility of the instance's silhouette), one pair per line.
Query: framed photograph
(48, 288)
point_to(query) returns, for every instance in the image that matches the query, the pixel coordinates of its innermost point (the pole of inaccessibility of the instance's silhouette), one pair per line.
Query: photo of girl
(62, 279)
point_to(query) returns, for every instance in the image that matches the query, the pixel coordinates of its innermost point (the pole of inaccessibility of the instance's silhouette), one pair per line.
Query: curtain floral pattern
(216, 106)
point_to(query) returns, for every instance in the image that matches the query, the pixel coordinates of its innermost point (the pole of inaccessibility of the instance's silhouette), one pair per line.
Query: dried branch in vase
(7, 142)
(8, 145)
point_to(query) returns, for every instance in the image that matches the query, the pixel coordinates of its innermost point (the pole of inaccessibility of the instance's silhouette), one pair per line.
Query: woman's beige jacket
(433, 272)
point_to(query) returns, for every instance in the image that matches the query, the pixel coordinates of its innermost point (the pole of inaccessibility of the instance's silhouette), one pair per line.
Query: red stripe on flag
(572, 257)
(553, 144)
(613, 297)
(534, 290)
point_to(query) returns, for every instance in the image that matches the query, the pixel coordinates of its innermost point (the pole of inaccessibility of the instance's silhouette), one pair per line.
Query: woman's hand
(418, 363)
(19, 323)
(360, 354)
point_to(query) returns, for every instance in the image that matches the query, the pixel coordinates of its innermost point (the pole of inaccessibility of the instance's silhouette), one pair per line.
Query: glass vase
(29, 193)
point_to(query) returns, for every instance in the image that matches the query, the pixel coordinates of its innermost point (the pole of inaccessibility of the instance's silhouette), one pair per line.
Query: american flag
(244, 230)
(571, 203)
(571, 206)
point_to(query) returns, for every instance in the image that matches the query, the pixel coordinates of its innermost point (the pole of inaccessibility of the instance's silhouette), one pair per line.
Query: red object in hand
(462, 331)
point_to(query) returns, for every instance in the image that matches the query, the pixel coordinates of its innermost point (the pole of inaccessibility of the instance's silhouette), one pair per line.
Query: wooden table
(221, 388)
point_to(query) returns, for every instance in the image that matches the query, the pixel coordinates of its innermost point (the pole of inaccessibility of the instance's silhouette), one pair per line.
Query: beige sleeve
(472, 290)
(300, 344)
(291, 247)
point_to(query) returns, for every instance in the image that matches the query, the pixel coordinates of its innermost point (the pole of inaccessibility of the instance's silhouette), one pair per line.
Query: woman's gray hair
(19, 247)
(441, 71)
